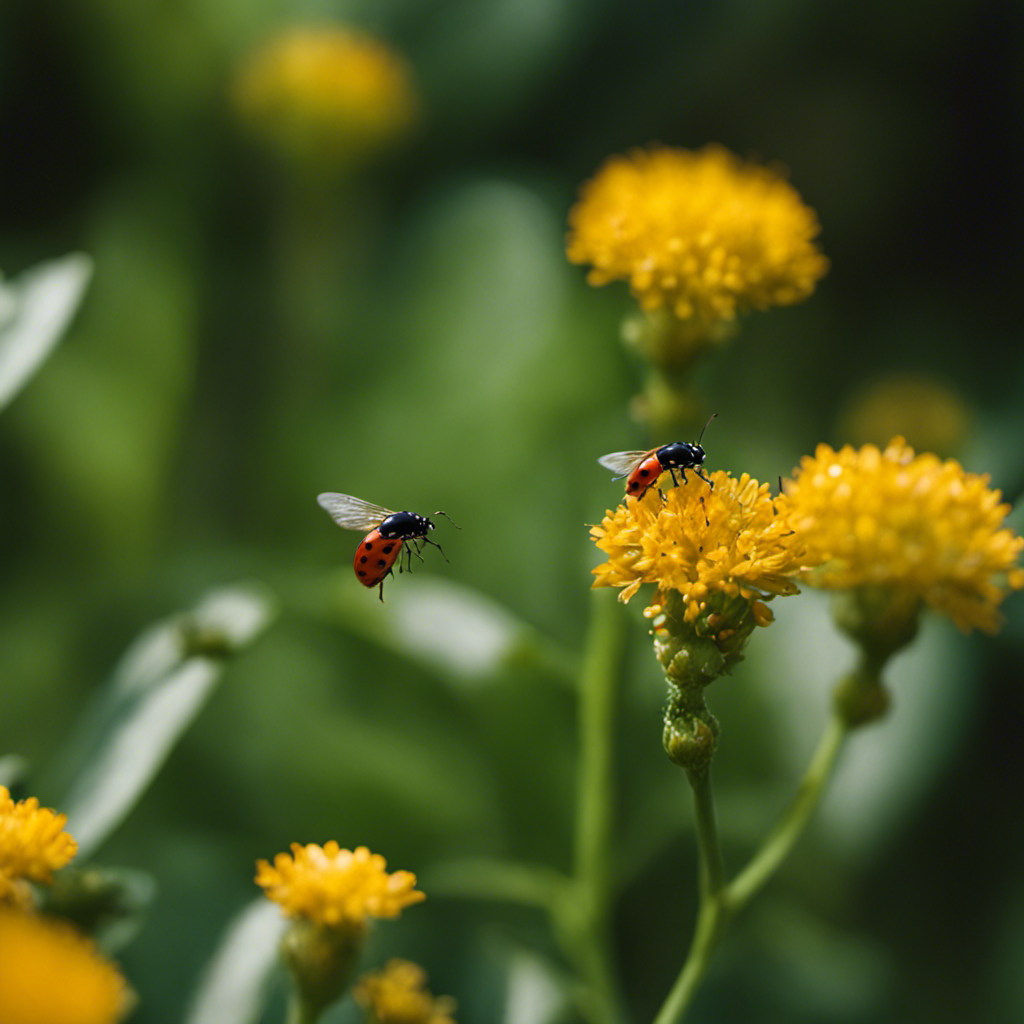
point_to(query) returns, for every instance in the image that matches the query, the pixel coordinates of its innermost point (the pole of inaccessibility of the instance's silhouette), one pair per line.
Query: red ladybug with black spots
(389, 532)
(644, 468)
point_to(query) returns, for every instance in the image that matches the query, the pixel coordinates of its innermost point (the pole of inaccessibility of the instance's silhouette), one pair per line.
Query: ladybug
(389, 531)
(644, 468)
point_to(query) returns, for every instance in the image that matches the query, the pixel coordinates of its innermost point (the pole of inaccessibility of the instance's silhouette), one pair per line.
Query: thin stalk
(299, 1011)
(585, 925)
(783, 837)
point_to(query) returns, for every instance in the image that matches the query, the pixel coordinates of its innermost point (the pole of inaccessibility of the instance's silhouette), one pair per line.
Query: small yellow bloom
(709, 545)
(33, 843)
(399, 995)
(700, 233)
(336, 887)
(913, 524)
(326, 96)
(49, 974)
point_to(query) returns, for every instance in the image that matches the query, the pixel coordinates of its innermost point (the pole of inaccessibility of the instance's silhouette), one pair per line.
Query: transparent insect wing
(623, 463)
(352, 513)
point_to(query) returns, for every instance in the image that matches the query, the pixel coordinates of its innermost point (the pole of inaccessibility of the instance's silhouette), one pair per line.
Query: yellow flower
(325, 95)
(336, 887)
(698, 232)
(708, 545)
(33, 844)
(49, 974)
(913, 524)
(398, 995)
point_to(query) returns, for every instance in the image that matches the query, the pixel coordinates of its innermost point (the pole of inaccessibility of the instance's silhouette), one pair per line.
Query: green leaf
(34, 314)
(479, 878)
(233, 987)
(13, 768)
(157, 691)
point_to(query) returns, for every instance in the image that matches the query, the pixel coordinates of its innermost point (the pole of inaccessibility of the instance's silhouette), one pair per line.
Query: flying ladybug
(644, 468)
(389, 531)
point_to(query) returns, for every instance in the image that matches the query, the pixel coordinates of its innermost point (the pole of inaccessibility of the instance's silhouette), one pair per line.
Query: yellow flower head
(336, 887)
(49, 974)
(325, 95)
(912, 524)
(33, 843)
(399, 995)
(708, 545)
(698, 232)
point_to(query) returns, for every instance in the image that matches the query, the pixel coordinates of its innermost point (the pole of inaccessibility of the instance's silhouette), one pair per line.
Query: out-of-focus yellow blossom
(708, 545)
(49, 974)
(336, 887)
(399, 995)
(33, 844)
(916, 525)
(326, 96)
(701, 233)
(929, 414)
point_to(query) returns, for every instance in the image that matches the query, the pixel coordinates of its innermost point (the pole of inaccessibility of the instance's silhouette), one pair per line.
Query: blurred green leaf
(532, 884)
(12, 769)
(35, 311)
(533, 994)
(156, 692)
(233, 987)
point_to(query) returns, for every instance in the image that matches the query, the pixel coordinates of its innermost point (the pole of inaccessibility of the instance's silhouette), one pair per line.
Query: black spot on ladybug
(388, 549)
(361, 573)
(369, 546)
(381, 562)
(364, 559)
(645, 472)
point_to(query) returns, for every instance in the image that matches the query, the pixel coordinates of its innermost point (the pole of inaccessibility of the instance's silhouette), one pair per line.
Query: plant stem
(719, 902)
(714, 911)
(585, 924)
(783, 837)
(299, 1011)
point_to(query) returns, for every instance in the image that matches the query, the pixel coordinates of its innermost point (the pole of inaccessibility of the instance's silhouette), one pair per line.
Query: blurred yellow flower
(49, 974)
(707, 545)
(33, 844)
(399, 995)
(326, 96)
(914, 524)
(701, 233)
(336, 887)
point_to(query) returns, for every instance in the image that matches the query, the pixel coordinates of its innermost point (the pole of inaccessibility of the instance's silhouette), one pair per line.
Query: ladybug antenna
(705, 427)
(449, 518)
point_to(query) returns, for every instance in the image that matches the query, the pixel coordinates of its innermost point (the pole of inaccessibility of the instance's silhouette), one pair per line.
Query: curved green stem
(719, 901)
(299, 1012)
(714, 912)
(783, 837)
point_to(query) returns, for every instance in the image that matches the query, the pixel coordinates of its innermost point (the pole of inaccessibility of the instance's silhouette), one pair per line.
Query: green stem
(585, 926)
(720, 901)
(714, 912)
(299, 1011)
(783, 837)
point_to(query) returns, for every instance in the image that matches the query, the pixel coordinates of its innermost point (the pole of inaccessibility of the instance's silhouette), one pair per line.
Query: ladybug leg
(707, 522)
(434, 544)
(675, 482)
(710, 483)
(380, 593)
(413, 548)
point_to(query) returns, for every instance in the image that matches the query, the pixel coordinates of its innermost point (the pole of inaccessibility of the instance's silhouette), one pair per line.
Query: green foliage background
(417, 338)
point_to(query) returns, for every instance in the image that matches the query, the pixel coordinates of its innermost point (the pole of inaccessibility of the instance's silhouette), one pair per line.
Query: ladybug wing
(352, 513)
(623, 463)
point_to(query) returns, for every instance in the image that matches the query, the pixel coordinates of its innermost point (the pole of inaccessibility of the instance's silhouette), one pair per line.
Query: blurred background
(408, 330)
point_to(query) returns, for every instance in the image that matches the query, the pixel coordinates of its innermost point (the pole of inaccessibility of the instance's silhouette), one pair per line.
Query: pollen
(399, 995)
(33, 843)
(915, 524)
(49, 974)
(336, 887)
(325, 96)
(702, 234)
(708, 545)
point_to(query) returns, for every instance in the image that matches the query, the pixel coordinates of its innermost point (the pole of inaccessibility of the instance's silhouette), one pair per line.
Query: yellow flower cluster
(33, 844)
(399, 995)
(916, 524)
(49, 974)
(325, 95)
(707, 544)
(698, 232)
(336, 887)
